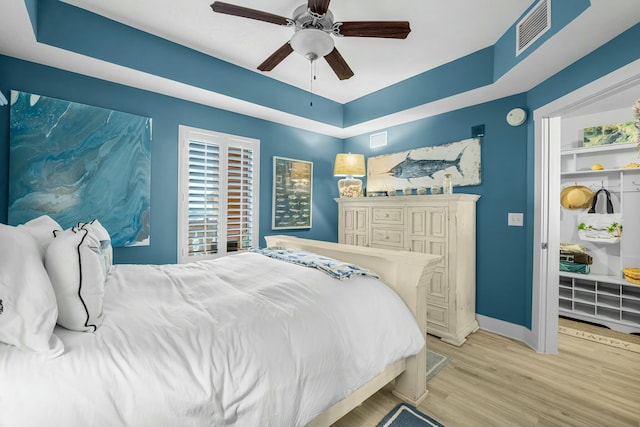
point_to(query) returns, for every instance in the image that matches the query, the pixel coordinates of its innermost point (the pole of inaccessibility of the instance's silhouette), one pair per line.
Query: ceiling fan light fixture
(312, 43)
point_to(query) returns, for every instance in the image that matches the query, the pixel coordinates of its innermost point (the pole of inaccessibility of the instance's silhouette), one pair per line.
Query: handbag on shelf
(576, 258)
(600, 227)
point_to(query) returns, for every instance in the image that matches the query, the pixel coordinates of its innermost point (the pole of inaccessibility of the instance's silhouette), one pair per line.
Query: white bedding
(242, 341)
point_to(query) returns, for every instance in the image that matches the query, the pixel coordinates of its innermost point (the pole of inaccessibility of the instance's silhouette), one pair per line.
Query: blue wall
(501, 258)
(167, 113)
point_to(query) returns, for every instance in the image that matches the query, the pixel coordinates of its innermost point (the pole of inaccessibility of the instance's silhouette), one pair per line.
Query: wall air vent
(378, 140)
(533, 25)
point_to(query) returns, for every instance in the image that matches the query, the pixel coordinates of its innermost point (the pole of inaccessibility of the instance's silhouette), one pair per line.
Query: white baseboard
(509, 330)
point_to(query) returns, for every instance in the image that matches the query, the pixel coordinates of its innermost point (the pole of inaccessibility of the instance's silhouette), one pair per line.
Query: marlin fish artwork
(424, 166)
(410, 168)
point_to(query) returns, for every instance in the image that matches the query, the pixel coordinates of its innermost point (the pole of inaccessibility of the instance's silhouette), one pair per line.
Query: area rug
(598, 334)
(405, 415)
(435, 362)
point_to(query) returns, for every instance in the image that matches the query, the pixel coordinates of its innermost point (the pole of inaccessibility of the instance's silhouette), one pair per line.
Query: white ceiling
(442, 31)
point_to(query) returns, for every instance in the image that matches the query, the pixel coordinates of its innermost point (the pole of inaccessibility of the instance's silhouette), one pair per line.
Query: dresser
(436, 224)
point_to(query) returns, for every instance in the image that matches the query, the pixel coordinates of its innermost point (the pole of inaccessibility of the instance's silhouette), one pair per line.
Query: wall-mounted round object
(516, 117)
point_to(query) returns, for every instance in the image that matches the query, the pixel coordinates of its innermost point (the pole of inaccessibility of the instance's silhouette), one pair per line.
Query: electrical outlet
(515, 219)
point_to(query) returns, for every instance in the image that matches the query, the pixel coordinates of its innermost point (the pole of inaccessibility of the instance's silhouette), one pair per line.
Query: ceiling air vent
(533, 25)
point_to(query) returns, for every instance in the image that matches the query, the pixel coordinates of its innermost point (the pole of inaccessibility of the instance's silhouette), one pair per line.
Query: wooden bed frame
(407, 273)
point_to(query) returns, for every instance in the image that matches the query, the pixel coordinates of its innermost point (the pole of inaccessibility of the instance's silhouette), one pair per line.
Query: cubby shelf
(600, 299)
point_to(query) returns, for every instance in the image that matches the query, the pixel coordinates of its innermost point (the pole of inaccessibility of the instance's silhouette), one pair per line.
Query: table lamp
(349, 165)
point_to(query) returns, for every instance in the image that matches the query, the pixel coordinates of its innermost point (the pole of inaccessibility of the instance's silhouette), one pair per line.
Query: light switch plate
(515, 219)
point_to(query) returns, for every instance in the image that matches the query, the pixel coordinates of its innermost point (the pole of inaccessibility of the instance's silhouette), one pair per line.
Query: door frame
(546, 241)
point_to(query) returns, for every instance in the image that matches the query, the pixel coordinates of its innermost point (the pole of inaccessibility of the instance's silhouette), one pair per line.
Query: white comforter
(240, 341)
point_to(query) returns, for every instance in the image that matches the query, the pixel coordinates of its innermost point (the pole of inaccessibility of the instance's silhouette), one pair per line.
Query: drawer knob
(386, 215)
(386, 237)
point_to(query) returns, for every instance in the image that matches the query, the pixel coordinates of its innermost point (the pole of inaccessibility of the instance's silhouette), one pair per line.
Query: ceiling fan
(313, 24)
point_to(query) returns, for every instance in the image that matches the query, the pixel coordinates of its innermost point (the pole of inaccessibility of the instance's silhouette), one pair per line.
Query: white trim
(506, 329)
(547, 176)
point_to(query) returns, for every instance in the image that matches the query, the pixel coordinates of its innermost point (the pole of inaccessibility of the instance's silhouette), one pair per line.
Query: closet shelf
(599, 172)
(598, 278)
(596, 148)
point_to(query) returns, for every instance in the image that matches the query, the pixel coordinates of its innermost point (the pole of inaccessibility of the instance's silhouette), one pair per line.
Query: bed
(238, 341)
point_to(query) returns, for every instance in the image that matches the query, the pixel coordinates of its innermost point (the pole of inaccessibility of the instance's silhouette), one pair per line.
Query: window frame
(187, 134)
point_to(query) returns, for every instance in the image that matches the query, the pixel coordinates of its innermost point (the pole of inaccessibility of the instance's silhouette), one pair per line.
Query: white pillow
(75, 268)
(101, 234)
(29, 309)
(41, 229)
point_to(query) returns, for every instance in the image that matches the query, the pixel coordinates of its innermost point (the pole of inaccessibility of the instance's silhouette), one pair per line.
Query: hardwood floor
(494, 381)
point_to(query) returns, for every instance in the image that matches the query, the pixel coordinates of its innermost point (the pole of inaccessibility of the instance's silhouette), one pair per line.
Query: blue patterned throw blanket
(337, 269)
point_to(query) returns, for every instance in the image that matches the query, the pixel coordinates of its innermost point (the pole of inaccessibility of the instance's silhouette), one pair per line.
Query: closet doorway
(614, 91)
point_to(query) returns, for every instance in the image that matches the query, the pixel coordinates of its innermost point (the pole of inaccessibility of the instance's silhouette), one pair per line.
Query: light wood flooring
(495, 381)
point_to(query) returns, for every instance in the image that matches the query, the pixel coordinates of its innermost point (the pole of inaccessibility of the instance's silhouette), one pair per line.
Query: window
(219, 190)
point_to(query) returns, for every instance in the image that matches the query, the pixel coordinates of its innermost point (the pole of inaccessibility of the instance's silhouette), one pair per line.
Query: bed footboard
(408, 274)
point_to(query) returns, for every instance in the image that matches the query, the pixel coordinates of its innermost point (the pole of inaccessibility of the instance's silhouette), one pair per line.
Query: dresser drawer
(438, 316)
(387, 237)
(387, 215)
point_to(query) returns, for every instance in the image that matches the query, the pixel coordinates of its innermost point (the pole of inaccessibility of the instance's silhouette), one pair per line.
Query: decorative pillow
(41, 229)
(28, 309)
(102, 235)
(75, 267)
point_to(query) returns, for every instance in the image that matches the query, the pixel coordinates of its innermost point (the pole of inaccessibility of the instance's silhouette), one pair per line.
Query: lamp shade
(311, 43)
(349, 165)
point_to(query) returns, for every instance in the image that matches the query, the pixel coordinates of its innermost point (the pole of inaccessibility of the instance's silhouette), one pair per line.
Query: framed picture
(615, 133)
(424, 167)
(292, 193)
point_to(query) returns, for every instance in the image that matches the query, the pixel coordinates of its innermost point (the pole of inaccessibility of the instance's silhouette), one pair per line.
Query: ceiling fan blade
(382, 29)
(276, 57)
(338, 65)
(319, 6)
(245, 12)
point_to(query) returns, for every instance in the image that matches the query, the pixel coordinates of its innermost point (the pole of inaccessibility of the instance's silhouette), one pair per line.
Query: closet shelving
(577, 161)
(602, 299)
(603, 296)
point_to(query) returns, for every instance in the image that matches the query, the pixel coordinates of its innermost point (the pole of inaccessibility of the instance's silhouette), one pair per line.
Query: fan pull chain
(312, 78)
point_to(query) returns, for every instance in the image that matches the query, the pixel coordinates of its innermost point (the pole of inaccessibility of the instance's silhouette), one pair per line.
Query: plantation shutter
(219, 210)
(239, 198)
(203, 198)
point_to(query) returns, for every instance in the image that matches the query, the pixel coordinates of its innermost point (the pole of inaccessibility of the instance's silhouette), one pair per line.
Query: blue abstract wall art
(76, 162)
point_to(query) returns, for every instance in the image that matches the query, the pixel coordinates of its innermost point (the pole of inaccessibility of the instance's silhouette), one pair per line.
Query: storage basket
(574, 268)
